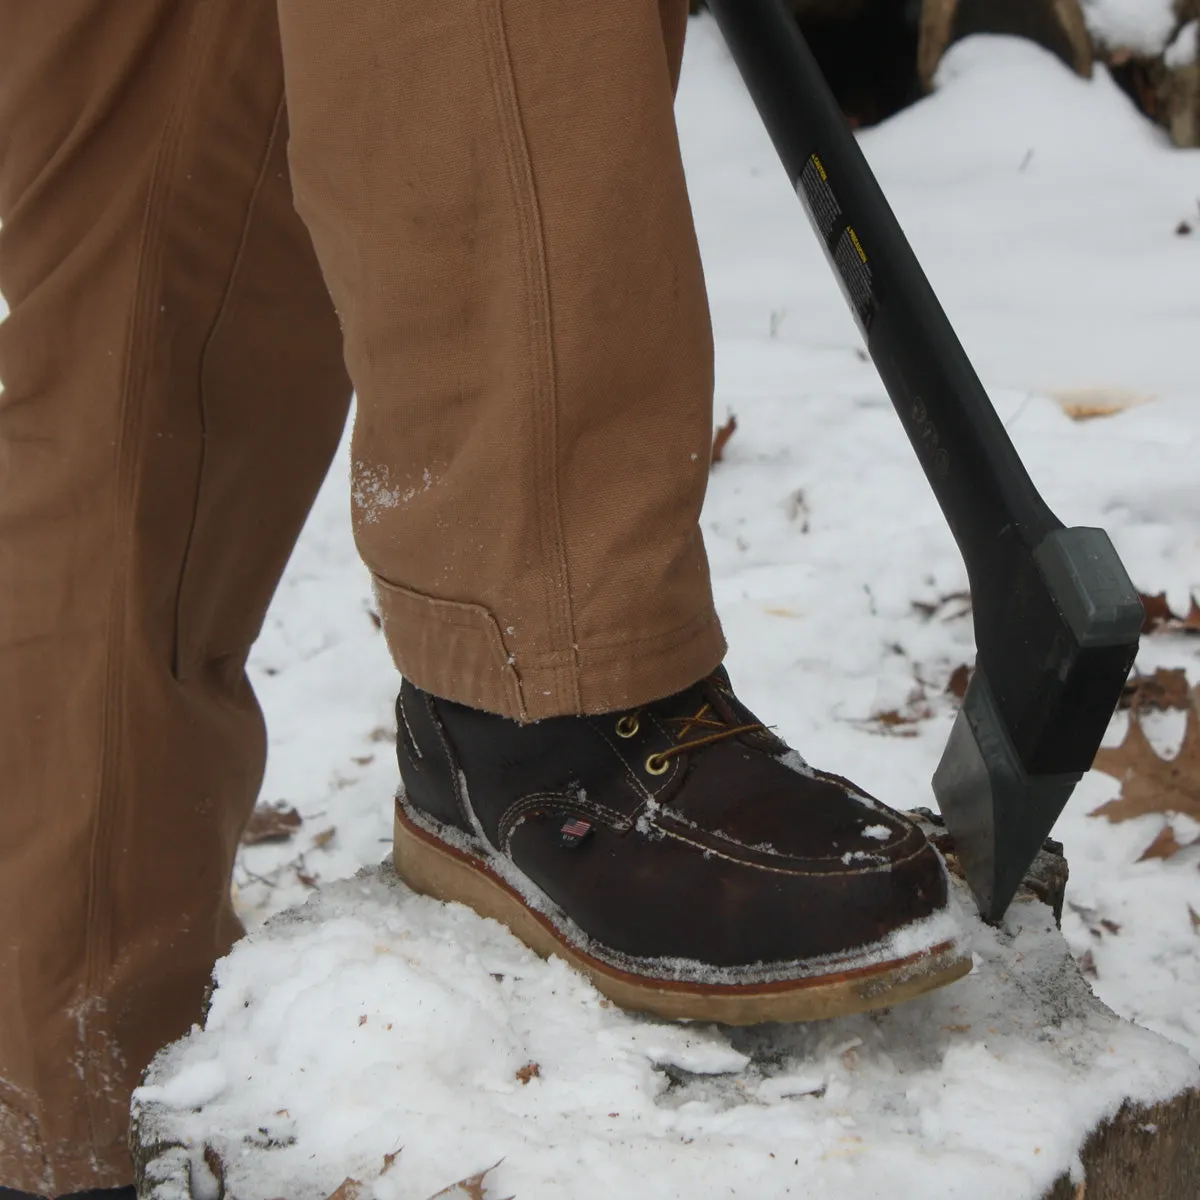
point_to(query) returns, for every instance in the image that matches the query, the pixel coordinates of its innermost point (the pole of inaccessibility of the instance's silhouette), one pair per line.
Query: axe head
(1056, 640)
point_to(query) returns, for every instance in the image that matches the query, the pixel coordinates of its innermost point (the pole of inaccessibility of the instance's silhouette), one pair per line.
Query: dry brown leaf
(349, 1189)
(1166, 688)
(1195, 916)
(1165, 845)
(529, 1071)
(468, 1189)
(389, 1161)
(721, 438)
(309, 881)
(1150, 783)
(271, 823)
(1160, 618)
(322, 839)
(960, 677)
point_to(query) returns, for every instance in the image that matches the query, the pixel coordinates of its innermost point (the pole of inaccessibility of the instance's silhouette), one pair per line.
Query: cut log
(299, 1045)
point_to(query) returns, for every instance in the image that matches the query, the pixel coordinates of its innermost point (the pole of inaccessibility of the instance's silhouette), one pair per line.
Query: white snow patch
(1142, 26)
(880, 833)
(200, 1084)
(1185, 49)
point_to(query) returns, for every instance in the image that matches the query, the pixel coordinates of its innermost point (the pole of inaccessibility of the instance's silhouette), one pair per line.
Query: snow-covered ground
(1045, 210)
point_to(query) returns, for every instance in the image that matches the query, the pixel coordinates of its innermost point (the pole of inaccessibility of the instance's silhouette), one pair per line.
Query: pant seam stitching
(178, 664)
(545, 393)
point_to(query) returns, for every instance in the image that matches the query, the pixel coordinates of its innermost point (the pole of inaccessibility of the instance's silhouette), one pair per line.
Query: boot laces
(710, 726)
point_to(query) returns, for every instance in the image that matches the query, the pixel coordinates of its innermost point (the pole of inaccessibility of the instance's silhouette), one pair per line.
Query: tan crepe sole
(433, 868)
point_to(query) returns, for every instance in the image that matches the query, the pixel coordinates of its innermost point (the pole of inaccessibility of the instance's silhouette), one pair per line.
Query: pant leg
(173, 392)
(496, 196)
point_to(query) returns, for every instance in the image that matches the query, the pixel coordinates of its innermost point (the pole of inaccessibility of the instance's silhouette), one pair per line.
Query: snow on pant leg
(496, 196)
(173, 392)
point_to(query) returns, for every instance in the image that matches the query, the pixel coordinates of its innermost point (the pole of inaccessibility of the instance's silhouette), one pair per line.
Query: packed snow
(1045, 210)
(375, 1021)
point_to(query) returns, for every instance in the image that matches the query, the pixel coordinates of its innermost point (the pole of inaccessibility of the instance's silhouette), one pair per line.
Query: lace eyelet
(657, 765)
(628, 725)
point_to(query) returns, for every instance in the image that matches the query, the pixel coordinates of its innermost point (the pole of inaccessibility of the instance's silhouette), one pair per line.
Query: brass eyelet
(627, 726)
(657, 765)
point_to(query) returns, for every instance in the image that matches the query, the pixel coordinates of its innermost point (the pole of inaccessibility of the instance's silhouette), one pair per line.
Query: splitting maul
(1057, 619)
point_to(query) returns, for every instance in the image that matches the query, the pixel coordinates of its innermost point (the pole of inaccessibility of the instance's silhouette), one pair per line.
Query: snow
(1044, 209)
(1185, 49)
(375, 1019)
(1143, 26)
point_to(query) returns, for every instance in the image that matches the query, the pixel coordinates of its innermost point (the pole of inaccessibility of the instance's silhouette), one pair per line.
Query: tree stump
(1128, 1097)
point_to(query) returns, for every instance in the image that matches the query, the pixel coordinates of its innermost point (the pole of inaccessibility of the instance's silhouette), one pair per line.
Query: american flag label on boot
(574, 832)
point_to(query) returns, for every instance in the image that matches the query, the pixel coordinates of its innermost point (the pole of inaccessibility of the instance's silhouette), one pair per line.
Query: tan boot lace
(705, 719)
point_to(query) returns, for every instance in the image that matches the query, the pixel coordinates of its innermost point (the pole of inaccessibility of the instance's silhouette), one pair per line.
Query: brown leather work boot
(680, 856)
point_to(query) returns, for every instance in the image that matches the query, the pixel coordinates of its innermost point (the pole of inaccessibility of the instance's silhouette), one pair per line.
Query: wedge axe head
(1057, 633)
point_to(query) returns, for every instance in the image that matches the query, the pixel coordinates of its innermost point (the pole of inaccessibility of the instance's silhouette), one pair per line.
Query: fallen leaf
(309, 881)
(1160, 618)
(363, 760)
(470, 1189)
(960, 677)
(363, 1019)
(529, 1071)
(1151, 784)
(1166, 688)
(1165, 845)
(1087, 964)
(271, 823)
(1087, 404)
(322, 839)
(349, 1189)
(1195, 916)
(1192, 620)
(721, 438)
(389, 1161)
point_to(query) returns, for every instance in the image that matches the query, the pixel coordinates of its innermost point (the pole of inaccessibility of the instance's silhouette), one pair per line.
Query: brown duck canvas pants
(492, 194)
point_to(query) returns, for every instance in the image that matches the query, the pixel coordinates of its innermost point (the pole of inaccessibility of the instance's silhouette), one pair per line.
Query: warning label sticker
(818, 197)
(842, 243)
(851, 262)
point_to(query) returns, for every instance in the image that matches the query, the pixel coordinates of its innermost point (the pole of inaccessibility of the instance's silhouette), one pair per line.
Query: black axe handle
(1056, 618)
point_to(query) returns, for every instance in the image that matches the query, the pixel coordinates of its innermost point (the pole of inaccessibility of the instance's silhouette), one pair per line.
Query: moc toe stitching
(788, 864)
